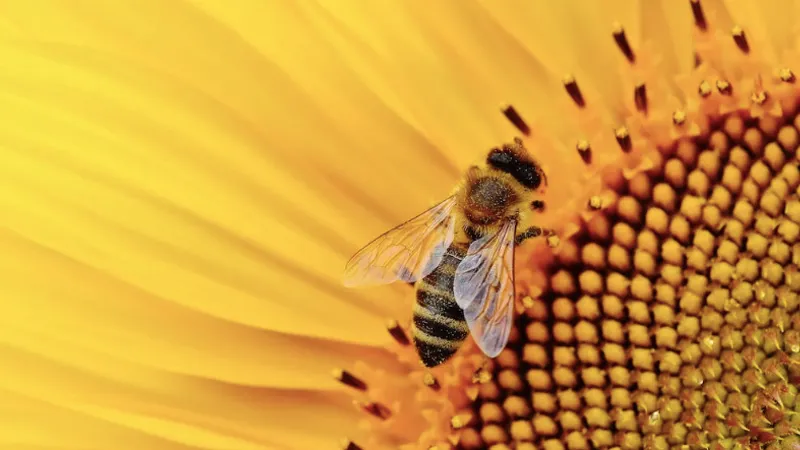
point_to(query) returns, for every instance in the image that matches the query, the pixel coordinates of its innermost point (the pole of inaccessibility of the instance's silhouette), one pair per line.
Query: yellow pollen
(723, 87)
(739, 38)
(759, 97)
(786, 75)
(460, 421)
(482, 376)
(429, 380)
(527, 302)
(679, 117)
(573, 90)
(704, 89)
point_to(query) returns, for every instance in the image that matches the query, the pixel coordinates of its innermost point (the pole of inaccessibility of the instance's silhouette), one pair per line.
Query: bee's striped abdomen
(439, 327)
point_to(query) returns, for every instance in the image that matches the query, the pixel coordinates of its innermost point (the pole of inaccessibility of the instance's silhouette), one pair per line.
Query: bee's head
(514, 160)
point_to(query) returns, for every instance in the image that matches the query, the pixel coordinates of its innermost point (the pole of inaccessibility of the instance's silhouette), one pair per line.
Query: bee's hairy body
(488, 196)
(459, 254)
(438, 327)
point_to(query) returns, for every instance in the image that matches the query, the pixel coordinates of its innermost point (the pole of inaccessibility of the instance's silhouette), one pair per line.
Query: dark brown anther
(787, 76)
(574, 91)
(640, 98)
(622, 43)
(740, 39)
(699, 16)
(537, 205)
(375, 409)
(623, 138)
(429, 380)
(397, 332)
(724, 87)
(697, 60)
(678, 117)
(585, 150)
(347, 444)
(513, 116)
(348, 379)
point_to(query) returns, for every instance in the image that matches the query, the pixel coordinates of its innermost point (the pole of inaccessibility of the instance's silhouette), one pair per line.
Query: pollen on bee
(574, 91)
(622, 42)
(740, 39)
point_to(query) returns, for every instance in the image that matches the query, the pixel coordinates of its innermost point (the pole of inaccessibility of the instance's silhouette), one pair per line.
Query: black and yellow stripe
(439, 328)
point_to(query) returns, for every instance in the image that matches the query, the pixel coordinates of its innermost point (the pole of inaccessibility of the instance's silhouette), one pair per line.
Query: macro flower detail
(666, 314)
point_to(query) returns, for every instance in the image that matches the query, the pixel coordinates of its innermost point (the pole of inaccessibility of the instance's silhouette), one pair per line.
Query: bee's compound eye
(507, 160)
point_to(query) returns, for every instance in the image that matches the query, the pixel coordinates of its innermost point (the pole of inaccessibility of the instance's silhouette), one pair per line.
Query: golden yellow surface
(182, 181)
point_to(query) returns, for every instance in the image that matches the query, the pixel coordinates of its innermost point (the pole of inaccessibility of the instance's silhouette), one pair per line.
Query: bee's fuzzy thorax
(488, 196)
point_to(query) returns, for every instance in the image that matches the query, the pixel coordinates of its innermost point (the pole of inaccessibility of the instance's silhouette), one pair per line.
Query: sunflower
(182, 182)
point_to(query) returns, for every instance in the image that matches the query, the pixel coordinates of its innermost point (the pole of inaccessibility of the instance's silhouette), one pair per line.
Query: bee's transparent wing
(484, 288)
(408, 252)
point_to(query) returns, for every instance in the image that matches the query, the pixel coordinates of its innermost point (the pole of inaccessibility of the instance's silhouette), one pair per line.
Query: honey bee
(460, 255)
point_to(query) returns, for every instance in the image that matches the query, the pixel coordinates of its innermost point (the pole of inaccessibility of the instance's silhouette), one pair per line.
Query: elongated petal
(168, 412)
(199, 183)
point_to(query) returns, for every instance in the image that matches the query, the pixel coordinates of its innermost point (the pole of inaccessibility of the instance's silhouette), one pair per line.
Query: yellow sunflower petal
(218, 200)
(187, 410)
(105, 319)
(22, 428)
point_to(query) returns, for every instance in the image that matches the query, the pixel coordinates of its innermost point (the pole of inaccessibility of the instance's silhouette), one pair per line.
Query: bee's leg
(531, 233)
